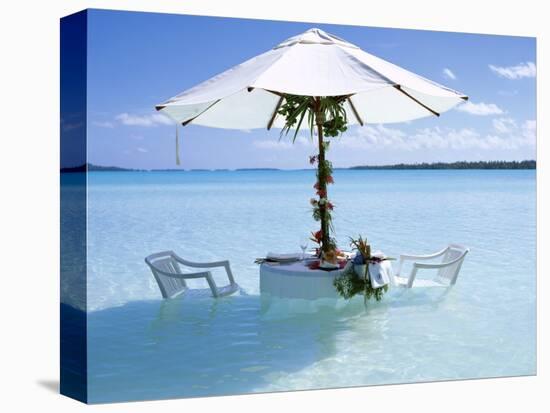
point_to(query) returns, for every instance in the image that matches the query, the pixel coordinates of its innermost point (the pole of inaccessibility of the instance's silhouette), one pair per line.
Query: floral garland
(324, 173)
(328, 114)
(349, 284)
(296, 107)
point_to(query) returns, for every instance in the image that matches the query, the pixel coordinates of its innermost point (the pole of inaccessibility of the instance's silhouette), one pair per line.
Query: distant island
(92, 167)
(72, 169)
(99, 168)
(527, 164)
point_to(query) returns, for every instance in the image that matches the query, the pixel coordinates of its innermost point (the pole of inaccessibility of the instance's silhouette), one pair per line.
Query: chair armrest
(188, 275)
(410, 257)
(199, 264)
(423, 257)
(223, 263)
(440, 265)
(418, 265)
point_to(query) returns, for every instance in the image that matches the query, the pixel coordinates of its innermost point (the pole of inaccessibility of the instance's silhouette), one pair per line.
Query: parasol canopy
(314, 63)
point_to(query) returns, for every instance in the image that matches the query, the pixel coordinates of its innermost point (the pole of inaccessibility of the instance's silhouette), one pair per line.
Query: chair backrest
(449, 273)
(165, 262)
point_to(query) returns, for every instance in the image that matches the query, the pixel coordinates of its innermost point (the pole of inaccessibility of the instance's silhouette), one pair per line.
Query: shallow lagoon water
(141, 347)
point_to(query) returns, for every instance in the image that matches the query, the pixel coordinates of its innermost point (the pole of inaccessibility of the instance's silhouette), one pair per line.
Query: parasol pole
(320, 120)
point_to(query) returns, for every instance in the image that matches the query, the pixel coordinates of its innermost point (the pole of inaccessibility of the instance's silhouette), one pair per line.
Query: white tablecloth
(296, 280)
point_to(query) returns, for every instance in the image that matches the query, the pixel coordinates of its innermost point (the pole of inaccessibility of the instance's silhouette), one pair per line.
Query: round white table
(296, 280)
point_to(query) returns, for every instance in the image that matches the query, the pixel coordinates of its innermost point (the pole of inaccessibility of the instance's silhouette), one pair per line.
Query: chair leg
(212, 284)
(412, 277)
(229, 273)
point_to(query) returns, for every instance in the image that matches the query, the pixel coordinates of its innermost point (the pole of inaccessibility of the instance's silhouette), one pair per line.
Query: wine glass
(303, 246)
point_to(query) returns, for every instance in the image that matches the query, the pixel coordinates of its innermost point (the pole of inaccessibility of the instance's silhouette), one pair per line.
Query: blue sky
(136, 60)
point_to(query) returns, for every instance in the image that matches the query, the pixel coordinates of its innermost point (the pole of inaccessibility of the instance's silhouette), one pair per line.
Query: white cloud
(512, 137)
(143, 120)
(284, 144)
(142, 150)
(508, 135)
(273, 145)
(530, 125)
(504, 125)
(369, 136)
(448, 73)
(508, 126)
(519, 71)
(103, 124)
(304, 141)
(529, 131)
(480, 109)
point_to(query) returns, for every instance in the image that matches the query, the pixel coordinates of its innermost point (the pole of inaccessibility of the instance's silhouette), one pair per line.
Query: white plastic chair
(165, 267)
(447, 269)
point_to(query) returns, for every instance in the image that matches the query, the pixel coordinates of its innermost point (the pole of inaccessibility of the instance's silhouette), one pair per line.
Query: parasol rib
(398, 87)
(160, 107)
(355, 112)
(187, 122)
(282, 95)
(279, 103)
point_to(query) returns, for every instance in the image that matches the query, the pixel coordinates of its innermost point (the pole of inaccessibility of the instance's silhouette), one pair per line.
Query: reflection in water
(201, 346)
(198, 346)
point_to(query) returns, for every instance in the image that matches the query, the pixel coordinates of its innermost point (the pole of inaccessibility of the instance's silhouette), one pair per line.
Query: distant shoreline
(527, 164)
(481, 165)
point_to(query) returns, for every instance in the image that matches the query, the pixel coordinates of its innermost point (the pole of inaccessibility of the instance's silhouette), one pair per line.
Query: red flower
(322, 193)
(316, 186)
(318, 235)
(330, 180)
(330, 206)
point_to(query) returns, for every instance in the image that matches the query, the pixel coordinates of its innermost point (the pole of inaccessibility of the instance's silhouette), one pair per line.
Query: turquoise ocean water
(141, 347)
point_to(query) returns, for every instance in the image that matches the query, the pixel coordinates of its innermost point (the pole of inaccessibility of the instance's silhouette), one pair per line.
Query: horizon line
(416, 165)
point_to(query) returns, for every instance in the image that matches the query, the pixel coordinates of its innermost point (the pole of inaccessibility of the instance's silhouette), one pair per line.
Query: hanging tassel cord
(177, 146)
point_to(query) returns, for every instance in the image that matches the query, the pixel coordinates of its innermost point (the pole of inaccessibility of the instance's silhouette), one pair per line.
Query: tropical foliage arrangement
(328, 116)
(349, 283)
